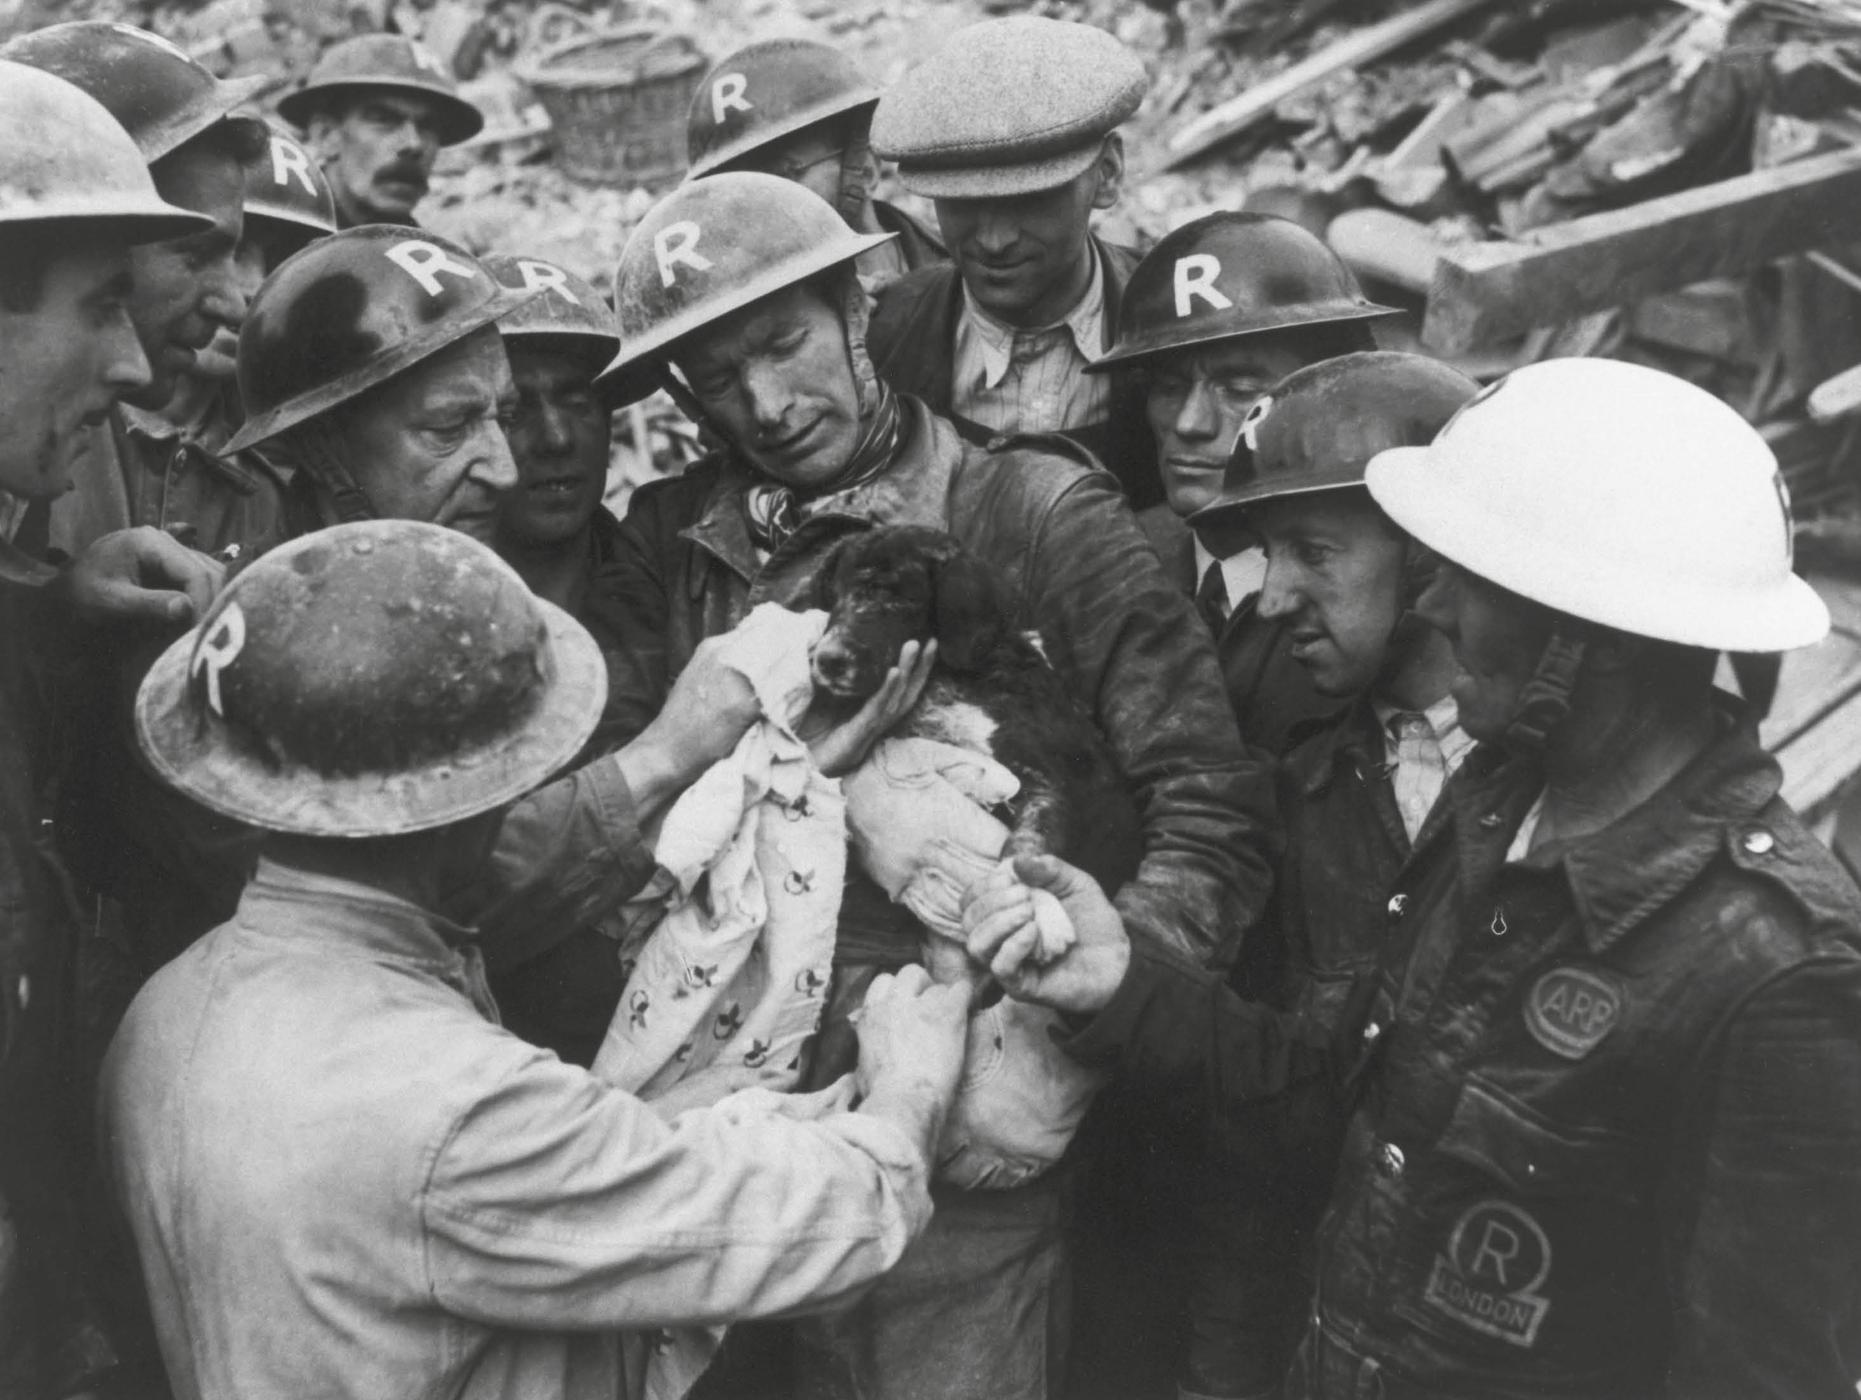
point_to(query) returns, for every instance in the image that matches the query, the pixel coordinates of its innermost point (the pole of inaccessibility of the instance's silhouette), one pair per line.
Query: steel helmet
(766, 91)
(1318, 428)
(370, 679)
(709, 248)
(1232, 274)
(384, 61)
(351, 311)
(565, 306)
(162, 97)
(1615, 494)
(66, 158)
(286, 190)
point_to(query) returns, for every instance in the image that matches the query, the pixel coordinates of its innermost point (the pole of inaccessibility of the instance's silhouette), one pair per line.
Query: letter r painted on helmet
(678, 243)
(1195, 277)
(290, 161)
(727, 95)
(424, 262)
(218, 649)
(541, 277)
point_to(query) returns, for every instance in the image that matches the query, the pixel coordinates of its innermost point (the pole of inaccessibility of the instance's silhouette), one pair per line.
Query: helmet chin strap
(318, 449)
(1545, 699)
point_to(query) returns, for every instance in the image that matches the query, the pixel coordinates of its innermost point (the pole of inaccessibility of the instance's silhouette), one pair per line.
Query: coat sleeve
(1116, 625)
(1766, 1267)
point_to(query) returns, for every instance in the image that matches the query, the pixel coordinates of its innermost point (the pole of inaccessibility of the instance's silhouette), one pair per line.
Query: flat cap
(1007, 107)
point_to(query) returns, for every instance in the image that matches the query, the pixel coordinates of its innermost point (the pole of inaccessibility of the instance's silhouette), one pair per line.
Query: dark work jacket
(912, 340)
(1607, 1128)
(1271, 693)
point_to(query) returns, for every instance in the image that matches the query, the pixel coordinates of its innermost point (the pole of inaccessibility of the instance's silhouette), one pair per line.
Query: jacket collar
(1623, 875)
(1350, 740)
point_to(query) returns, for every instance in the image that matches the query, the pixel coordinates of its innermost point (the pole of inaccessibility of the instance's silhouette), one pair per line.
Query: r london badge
(1497, 1260)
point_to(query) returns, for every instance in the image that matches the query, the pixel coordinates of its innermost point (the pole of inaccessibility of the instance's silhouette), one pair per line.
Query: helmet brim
(404, 356)
(135, 221)
(749, 143)
(635, 371)
(1616, 593)
(458, 119)
(1231, 506)
(1163, 342)
(196, 755)
(229, 95)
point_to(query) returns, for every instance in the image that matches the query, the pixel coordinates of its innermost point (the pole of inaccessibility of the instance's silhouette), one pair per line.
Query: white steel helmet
(1613, 493)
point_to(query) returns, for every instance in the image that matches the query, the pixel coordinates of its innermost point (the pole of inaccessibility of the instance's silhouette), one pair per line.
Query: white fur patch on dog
(957, 722)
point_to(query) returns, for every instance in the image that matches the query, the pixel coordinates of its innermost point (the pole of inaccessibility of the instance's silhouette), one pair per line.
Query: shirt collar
(1443, 719)
(1085, 324)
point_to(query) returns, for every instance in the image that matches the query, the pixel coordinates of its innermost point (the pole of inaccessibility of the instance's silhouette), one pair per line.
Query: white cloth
(1243, 573)
(732, 980)
(1423, 749)
(1032, 381)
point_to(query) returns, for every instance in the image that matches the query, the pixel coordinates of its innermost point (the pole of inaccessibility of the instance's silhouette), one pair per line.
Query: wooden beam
(1484, 292)
(1229, 119)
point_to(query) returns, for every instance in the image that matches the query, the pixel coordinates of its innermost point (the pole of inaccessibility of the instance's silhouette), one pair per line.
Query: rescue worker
(1010, 129)
(1605, 1088)
(75, 195)
(735, 292)
(803, 110)
(343, 1176)
(371, 362)
(1355, 790)
(183, 120)
(554, 530)
(1218, 311)
(375, 110)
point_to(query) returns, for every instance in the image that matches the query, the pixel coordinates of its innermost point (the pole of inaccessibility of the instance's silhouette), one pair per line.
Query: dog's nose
(833, 664)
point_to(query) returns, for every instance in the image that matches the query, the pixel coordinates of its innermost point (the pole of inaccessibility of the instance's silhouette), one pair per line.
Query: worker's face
(1024, 257)
(1334, 576)
(378, 152)
(220, 359)
(428, 445)
(810, 157)
(777, 379)
(64, 363)
(559, 437)
(1498, 638)
(188, 289)
(1197, 400)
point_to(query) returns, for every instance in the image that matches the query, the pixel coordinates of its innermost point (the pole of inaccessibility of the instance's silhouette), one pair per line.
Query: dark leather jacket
(1607, 1134)
(912, 340)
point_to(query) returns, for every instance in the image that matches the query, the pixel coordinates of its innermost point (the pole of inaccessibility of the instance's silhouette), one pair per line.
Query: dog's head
(898, 584)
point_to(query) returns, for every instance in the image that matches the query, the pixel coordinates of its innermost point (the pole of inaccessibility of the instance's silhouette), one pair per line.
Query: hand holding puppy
(1003, 929)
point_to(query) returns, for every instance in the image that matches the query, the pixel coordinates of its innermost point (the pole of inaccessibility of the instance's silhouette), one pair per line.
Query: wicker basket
(618, 102)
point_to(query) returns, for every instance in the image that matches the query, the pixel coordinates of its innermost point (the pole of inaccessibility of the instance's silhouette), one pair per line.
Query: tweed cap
(1006, 107)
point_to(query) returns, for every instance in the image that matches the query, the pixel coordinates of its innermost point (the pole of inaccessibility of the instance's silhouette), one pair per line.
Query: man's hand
(1000, 926)
(911, 1038)
(141, 575)
(710, 708)
(843, 747)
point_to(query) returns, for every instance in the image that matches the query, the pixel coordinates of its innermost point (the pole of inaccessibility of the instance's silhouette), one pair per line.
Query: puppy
(991, 691)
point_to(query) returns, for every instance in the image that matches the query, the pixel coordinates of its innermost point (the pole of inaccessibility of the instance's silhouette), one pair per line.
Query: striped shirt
(1033, 381)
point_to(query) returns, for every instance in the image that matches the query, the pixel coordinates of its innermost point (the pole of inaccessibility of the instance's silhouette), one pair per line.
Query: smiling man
(376, 110)
(1214, 314)
(736, 291)
(1011, 130)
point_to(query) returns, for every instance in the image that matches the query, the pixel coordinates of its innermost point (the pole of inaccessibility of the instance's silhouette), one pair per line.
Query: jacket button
(1389, 1160)
(1372, 1033)
(1491, 821)
(1759, 842)
(1398, 905)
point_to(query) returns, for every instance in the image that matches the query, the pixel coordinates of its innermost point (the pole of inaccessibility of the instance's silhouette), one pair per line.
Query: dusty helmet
(384, 61)
(66, 158)
(766, 91)
(351, 311)
(370, 679)
(1616, 494)
(709, 248)
(1229, 275)
(565, 307)
(162, 97)
(286, 190)
(1318, 428)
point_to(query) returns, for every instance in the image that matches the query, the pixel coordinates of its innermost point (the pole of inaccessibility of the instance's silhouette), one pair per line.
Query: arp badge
(1497, 1259)
(1570, 1009)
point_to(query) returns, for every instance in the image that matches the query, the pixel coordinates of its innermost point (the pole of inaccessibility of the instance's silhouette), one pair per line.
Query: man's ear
(966, 612)
(1110, 168)
(324, 137)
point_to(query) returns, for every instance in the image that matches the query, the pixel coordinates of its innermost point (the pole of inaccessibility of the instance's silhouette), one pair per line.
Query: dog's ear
(827, 578)
(967, 612)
